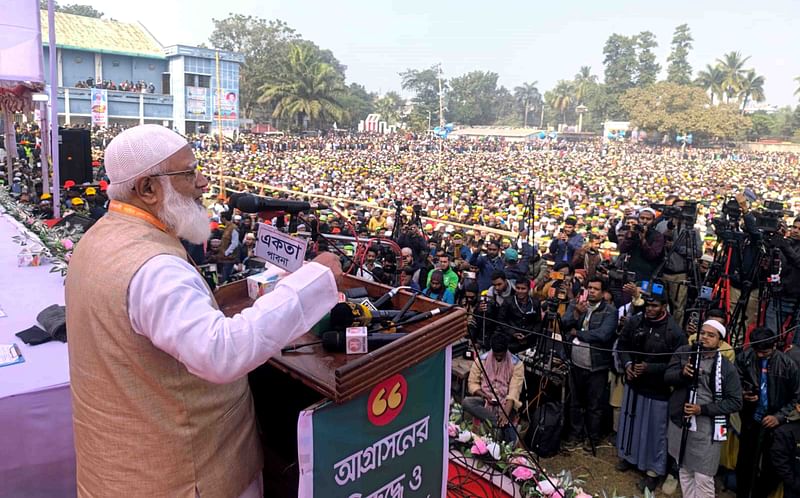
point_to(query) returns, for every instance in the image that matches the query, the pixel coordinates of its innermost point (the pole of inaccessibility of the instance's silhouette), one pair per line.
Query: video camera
(687, 212)
(726, 227)
(769, 218)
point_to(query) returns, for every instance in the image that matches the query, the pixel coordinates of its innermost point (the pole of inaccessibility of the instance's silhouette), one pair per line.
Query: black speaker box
(76, 220)
(74, 155)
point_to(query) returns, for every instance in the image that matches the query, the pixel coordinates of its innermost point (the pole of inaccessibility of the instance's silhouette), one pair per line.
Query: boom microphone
(348, 314)
(248, 203)
(335, 342)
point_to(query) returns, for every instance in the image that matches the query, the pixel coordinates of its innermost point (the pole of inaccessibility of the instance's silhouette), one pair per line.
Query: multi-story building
(175, 86)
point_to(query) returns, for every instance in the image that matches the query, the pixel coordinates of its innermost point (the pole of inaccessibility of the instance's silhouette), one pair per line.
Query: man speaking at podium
(161, 403)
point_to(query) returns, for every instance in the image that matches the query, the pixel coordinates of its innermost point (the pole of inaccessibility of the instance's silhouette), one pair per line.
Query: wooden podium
(289, 383)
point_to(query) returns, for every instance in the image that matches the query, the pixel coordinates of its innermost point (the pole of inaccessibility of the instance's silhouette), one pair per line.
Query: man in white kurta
(161, 404)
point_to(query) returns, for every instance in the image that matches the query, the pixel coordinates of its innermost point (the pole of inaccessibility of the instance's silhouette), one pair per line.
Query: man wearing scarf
(704, 406)
(771, 389)
(644, 348)
(495, 395)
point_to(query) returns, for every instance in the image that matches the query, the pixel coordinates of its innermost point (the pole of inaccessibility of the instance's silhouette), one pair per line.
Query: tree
(561, 98)
(265, 46)
(74, 9)
(357, 104)
(712, 80)
(584, 80)
(620, 63)
(527, 96)
(390, 107)
(679, 70)
(732, 66)
(751, 86)
(473, 98)
(671, 108)
(306, 89)
(648, 68)
(425, 85)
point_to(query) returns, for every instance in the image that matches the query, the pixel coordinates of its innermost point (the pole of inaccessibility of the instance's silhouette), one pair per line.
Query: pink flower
(558, 494)
(67, 244)
(522, 474)
(583, 495)
(479, 447)
(520, 460)
(452, 429)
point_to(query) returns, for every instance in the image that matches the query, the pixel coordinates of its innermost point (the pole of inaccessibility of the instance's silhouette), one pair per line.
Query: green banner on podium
(388, 442)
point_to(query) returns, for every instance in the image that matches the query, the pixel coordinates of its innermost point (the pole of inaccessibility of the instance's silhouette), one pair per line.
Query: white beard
(183, 216)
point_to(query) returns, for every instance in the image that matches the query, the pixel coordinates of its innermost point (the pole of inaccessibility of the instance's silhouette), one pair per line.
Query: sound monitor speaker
(76, 220)
(74, 155)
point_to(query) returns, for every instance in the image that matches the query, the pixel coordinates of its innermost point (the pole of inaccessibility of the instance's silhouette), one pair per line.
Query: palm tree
(306, 88)
(561, 98)
(584, 80)
(711, 79)
(751, 87)
(389, 107)
(528, 95)
(732, 65)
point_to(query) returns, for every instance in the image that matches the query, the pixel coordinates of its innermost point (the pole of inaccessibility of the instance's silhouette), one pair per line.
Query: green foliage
(264, 45)
(390, 107)
(620, 63)
(648, 68)
(712, 79)
(473, 98)
(751, 87)
(425, 85)
(527, 99)
(74, 9)
(679, 70)
(672, 108)
(732, 67)
(306, 88)
(357, 103)
(561, 98)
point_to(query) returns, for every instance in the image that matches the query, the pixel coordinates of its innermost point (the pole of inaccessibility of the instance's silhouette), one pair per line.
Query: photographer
(771, 389)
(643, 245)
(744, 256)
(563, 247)
(642, 435)
(790, 284)
(487, 264)
(679, 262)
(592, 323)
(522, 317)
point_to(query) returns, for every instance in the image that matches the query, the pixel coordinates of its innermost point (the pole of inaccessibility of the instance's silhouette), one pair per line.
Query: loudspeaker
(76, 220)
(74, 155)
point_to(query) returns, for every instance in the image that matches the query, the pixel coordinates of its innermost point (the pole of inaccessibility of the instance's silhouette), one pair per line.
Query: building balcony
(76, 102)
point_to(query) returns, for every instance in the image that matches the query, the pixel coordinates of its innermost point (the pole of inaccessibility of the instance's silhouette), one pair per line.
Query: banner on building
(99, 107)
(226, 105)
(196, 101)
(391, 441)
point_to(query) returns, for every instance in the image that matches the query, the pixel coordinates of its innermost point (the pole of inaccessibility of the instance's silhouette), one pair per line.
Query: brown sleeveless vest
(145, 426)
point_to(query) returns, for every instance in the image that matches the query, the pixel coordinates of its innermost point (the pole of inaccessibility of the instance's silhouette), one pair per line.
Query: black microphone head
(345, 315)
(233, 200)
(247, 203)
(333, 341)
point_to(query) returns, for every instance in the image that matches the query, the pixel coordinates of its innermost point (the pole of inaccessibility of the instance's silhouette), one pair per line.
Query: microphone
(335, 342)
(248, 203)
(348, 314)
(424, 316)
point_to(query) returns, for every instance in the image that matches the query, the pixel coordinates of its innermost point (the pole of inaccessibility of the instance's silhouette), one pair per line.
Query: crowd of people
(140, 86)
(557, 240)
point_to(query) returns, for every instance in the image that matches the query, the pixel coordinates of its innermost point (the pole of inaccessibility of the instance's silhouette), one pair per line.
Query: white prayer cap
(137, 150)
(716, 326)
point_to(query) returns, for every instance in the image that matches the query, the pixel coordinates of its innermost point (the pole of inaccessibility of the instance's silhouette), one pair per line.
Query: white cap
(137, 150)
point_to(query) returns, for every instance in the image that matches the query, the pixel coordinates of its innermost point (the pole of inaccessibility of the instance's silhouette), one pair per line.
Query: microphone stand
(691, 398)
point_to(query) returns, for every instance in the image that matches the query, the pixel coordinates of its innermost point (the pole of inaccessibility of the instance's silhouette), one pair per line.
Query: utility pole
(441, 98)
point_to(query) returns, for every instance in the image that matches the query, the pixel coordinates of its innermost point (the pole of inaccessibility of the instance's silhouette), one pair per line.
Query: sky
(522, 41)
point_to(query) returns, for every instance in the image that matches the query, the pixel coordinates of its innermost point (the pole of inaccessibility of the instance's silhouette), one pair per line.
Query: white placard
(279, 249)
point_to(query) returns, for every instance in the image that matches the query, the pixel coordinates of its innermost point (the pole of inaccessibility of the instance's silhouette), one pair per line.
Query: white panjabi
(138, 150)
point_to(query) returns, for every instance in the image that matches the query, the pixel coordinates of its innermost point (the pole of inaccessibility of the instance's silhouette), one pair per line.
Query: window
(188, 79)
(204, 81)
(165, 80)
